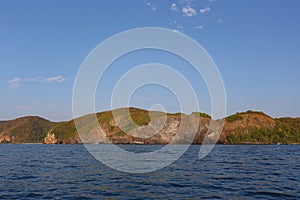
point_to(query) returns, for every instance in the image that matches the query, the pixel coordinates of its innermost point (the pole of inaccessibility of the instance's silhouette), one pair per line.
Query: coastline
(241, 144)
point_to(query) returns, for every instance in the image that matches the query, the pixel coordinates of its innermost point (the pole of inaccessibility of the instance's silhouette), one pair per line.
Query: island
(250, 127)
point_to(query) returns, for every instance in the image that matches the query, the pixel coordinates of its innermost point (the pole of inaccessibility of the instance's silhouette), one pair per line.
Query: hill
(249, 127)
(66, 132)
(31, 129)
(258, 128)
(152, 127)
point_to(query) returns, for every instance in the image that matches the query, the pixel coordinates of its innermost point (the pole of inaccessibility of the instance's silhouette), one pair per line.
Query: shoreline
(147, 144)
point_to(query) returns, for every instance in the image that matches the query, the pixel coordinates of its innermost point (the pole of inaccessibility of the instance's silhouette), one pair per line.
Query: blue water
(228, 172)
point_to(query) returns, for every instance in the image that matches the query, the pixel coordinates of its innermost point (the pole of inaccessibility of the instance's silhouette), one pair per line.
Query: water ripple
(228, 172)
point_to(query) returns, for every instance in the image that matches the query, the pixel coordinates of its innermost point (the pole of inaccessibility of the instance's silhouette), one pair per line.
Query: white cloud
(57, 79)
(150, 5)
(188, 11)
(179, 28)
(174, 7)
(204, 10)
(173, 22)
(17, 82)
(176, 27)
(199, 27)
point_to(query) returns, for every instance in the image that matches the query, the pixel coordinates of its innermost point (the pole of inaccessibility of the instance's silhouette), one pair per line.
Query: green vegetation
(65, 130)
(283, 132)
(121, 133)
(249, 128)
(139, 116)
(239, 115)
(253, 112)
(104, 117)
(200, 114)
(176, 114)
(26, 129)
(235, 117)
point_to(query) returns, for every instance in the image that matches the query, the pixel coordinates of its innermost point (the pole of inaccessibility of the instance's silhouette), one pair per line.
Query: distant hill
(259, 128)
(25, 130)
(249, 127)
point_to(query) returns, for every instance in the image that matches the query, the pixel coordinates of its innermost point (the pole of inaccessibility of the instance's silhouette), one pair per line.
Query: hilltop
(30, 129)
(259, 128)
(249, 127)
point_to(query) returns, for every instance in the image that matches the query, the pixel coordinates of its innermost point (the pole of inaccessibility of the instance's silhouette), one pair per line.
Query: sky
(254, 43)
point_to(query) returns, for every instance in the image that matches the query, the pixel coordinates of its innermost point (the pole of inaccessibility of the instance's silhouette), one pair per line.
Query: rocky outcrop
(50, 139)
(162, 129)
(5, 139)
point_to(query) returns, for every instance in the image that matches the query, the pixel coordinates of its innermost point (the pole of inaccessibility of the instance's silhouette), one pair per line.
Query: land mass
(249, 127)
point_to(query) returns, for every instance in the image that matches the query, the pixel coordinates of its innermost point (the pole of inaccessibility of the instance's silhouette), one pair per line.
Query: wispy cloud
(150, 5)
(174, 7)
(204, 10)
(176, 27)
(57, 79)
(199, 27)
(179, 28)
(17, 82)
(188, 11)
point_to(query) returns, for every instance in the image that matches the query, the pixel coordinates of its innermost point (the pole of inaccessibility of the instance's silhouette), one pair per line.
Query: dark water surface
(228, 172)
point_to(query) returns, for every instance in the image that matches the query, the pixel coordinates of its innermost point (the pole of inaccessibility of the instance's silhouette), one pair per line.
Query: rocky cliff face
(50, 139)
(141, 127)
(5, 139)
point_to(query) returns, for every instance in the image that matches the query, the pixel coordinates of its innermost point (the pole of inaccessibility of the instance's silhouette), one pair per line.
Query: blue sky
(255, 44)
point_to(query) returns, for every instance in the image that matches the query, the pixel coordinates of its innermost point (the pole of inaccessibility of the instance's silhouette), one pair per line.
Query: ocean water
(228, 172)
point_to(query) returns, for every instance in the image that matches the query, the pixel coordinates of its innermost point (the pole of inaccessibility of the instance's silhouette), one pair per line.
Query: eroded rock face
(50, 139)
(5, 139)
(95, 136)
(163, 129)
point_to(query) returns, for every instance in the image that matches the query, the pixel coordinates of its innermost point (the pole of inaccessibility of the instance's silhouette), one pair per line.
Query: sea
(33, 171)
